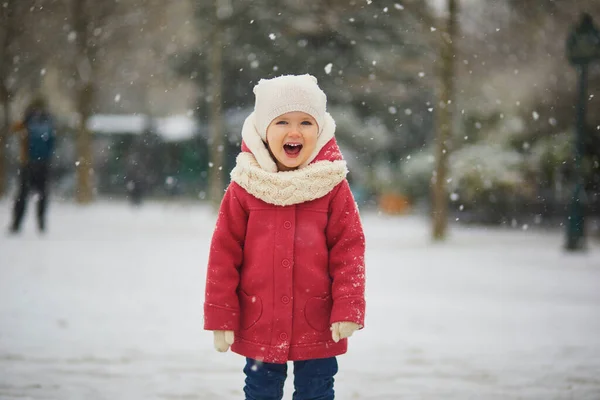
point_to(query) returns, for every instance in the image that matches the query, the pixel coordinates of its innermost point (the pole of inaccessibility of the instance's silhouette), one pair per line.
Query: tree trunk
(217, 147)
(4, 135)
(84, 97)
(444, 124)
(85, 188)
(6, 36)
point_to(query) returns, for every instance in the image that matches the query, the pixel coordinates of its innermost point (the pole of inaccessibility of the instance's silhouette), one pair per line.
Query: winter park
(365, 199)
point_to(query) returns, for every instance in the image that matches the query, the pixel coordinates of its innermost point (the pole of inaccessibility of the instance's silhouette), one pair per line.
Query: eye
(306, 123)
(281, 123)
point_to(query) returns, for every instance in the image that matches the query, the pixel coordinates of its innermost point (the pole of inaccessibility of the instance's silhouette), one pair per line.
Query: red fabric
(280, 276)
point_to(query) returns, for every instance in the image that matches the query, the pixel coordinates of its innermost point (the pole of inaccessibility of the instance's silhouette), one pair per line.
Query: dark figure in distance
(36, 139)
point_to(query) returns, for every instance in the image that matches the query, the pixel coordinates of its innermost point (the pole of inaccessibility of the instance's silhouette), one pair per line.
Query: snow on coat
(287, 255)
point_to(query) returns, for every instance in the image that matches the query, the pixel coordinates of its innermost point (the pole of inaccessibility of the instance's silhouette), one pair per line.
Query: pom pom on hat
(288, 93)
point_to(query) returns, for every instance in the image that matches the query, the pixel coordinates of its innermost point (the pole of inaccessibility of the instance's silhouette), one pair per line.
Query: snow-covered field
(108, 305)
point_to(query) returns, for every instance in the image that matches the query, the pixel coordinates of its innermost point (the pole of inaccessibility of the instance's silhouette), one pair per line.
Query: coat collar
(256, 172)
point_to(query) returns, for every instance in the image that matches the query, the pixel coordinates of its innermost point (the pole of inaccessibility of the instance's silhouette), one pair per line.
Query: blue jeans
(313, 379)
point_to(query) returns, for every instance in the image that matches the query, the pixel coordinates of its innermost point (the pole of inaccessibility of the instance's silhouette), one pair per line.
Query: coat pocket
(250, 309)
(317, 312)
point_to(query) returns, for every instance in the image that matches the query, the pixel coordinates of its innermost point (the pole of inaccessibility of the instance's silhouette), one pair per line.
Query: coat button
(283, 336)
(286, 263)
(285, 299)
(287, 224)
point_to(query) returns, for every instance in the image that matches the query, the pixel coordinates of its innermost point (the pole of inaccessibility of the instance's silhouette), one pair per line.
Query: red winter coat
(287, 257)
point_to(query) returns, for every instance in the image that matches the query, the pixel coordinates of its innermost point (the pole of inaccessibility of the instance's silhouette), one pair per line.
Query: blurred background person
(36, 141)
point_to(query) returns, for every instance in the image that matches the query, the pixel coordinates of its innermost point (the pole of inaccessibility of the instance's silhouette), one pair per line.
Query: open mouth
(292, 149)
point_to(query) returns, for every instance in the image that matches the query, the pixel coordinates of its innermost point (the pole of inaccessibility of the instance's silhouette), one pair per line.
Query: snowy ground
(108, 306)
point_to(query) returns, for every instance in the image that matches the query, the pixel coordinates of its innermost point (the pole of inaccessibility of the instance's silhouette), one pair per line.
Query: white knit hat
(288, 93)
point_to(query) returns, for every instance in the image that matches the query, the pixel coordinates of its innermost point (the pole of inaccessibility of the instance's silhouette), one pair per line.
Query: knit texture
(287, 93)
(289, 187)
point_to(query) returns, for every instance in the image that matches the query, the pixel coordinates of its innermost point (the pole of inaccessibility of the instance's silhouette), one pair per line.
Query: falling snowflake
(328, 68)
(392, 110)
(398, 6)
(535, 115)
(272, 36)
(117, 98)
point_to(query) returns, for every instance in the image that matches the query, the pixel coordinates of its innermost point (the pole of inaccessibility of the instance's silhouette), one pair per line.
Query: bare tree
(96, 26)
(7, 22)
(444, 123)
(9, 15)
(216, 119)
(84, 70)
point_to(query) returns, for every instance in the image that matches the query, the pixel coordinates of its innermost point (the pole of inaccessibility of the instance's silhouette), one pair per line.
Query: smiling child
(286, 270)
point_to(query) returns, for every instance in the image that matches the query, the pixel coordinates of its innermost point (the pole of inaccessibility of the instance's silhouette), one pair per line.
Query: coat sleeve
(346, 243)
(221, 305)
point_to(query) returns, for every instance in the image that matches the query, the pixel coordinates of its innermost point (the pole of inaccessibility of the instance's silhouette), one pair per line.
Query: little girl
(286, 272)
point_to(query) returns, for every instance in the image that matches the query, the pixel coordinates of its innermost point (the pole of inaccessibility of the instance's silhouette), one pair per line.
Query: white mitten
(222, 340)
(342, 330)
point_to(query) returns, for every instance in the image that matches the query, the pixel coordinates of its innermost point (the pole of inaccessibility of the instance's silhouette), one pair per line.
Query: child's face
(292, 138)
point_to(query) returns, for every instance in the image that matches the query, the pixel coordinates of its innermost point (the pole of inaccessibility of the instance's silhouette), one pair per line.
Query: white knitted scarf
(257, 173)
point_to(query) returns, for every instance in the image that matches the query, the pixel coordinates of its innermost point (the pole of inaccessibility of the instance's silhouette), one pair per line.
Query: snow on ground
(108, 305)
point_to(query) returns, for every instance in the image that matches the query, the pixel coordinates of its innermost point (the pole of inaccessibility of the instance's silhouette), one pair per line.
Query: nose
(294, 131)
